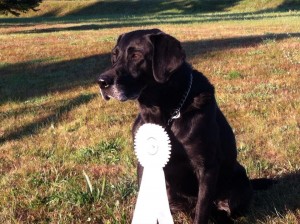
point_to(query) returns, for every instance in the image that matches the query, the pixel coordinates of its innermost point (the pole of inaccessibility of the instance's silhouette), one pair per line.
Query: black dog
(203, 175)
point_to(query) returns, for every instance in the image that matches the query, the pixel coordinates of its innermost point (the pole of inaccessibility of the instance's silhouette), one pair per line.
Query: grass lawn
(55, 126)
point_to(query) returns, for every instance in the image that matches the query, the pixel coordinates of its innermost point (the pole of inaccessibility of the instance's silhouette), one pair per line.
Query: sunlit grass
(54, 124)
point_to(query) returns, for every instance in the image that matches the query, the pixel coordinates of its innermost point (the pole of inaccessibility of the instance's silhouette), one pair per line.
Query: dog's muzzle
(105, 82)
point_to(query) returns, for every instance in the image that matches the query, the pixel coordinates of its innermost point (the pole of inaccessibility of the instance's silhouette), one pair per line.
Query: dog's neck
(177, 112)
(159, 103)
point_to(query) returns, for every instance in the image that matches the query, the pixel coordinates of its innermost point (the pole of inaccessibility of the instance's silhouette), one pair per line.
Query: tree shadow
(123, 13)
(21, 81)
(54, 117)
(37, 78)
(160, 20)
(118, 21)
(282, 197)
(114, 10)
(289, 5)
(124, 10)
(108, 8)
(195, 48)
(115, 14)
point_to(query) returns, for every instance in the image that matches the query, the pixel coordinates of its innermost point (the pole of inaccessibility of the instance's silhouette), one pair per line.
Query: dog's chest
(179, 172)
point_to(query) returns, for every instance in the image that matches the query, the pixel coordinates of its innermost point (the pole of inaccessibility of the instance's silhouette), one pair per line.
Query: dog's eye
(135, 56)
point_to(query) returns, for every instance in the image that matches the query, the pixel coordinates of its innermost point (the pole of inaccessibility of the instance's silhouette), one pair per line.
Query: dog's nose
(104, 81)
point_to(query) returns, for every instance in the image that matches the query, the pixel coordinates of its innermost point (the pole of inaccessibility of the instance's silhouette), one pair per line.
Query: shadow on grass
(134, 22)
(283, 197)
(23, 81)
(20, 82)
(26, 81)
(116, 14)
(195, 48)
(107, 8)
(156, 20)
(54, 117)
(289, 5)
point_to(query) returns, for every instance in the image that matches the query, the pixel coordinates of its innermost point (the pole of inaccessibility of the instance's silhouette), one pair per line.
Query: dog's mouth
(104, 95)
(118, 95)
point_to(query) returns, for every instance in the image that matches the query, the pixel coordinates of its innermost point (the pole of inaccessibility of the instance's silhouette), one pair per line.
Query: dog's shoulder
(203, 91)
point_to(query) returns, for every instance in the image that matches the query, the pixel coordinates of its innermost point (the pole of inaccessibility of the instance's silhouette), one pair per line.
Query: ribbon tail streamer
(152, 202)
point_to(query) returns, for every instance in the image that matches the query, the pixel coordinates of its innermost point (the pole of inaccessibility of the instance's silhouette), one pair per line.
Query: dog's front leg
(207, 185)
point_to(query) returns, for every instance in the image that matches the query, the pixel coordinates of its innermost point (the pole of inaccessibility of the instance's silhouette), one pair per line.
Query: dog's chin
(124, 98)
(119, 96)
(104, 95)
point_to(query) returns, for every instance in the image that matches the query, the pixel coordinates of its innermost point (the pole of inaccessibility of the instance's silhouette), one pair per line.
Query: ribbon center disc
(153, 147)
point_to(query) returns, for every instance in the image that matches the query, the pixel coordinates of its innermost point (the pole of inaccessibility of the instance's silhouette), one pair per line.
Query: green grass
(54, 126)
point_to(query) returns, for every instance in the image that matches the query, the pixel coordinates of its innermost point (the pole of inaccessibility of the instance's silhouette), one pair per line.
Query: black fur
(203, 176)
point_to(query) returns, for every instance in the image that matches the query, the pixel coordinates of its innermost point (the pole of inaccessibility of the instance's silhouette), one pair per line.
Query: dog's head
(140, 58)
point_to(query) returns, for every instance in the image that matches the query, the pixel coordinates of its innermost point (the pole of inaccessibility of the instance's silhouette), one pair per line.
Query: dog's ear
(114, 52)
(167, 56)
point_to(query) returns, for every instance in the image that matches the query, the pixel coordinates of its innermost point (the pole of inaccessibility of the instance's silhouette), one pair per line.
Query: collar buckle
(176, 114)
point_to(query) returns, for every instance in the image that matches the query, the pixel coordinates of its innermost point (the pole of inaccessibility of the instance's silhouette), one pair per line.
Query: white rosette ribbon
(152, 148)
